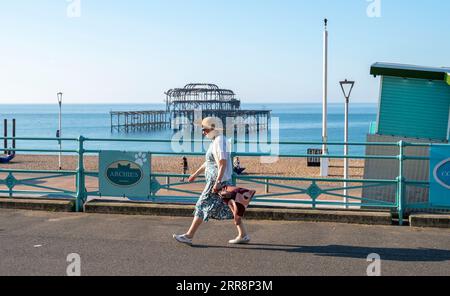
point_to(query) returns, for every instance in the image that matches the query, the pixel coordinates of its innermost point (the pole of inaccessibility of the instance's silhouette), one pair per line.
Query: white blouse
(221, 148)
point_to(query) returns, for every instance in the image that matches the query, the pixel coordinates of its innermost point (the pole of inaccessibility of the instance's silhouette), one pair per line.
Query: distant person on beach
(237, 167)
(185, 167)
(218, 170)
(237, 163)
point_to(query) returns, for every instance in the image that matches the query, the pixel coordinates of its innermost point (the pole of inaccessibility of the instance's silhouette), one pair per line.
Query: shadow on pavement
(391, 254)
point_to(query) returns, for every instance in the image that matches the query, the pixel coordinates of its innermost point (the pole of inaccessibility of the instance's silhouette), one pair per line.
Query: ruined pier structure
(212, 101)
(183, 106)
(137, 121)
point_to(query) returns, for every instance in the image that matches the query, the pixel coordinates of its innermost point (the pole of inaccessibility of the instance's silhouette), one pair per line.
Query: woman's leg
(238, 221)
(241, 230)
(194, 227)
(233, 207)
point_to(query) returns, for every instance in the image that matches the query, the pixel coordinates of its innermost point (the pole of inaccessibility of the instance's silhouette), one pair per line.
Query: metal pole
(60, 136)
(400, 186)
(346, 160)
(5, 133)
(324, 163)
(14, 136)
(234, 175)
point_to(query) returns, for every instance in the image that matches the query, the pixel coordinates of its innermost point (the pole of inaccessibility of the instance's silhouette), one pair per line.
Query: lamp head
(60, 95)
(347, 87)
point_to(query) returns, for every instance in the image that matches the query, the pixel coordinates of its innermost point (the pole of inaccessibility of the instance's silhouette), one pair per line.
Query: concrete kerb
(49, 205)
(429, 220)
(274, 214)
(254, 213)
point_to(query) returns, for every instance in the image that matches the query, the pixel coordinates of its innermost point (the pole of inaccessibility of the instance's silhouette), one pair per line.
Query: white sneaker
(183, 239)
(240, 241)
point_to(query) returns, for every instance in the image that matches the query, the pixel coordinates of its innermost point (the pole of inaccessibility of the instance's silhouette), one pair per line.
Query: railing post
(401, 184)
(10, 184)
(168, 182)
(267, 186)
(81, 187)
(152, 191)
(5, 134)
(234, 178)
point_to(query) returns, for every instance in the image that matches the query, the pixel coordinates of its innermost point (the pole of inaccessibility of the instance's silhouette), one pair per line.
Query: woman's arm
(194, 176)
(222, 168)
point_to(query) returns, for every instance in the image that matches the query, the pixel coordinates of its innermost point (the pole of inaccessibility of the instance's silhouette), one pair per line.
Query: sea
(297, 123)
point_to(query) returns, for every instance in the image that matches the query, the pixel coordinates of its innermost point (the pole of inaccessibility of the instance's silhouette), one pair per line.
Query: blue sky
(265, 50)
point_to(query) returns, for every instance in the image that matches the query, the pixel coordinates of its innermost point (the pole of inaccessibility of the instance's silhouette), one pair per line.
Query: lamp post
(347, 87)
(59, 133)
(324, 161)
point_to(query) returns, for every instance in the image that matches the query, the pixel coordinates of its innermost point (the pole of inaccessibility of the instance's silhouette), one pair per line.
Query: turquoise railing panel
(168, 188)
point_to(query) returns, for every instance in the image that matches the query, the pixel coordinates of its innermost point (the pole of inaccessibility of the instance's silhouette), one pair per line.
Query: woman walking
(218, 170)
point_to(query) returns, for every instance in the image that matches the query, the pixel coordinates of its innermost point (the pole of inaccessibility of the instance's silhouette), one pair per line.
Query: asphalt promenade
(39, 242)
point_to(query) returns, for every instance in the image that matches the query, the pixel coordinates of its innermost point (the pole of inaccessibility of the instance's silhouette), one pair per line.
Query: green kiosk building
(414, 106)
(414, 101)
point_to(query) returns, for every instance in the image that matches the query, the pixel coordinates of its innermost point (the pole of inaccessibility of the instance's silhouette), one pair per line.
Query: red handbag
(241, 196)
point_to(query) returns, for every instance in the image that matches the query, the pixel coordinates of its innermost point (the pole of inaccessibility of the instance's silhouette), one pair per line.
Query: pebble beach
(284, 167)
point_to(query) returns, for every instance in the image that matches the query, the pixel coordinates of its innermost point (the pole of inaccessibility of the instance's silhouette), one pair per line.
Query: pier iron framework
(212, 101)
(183, 106)
(136, 121)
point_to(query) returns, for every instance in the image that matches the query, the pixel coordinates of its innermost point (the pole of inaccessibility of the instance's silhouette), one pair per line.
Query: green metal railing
(36, 176)
(310, 187)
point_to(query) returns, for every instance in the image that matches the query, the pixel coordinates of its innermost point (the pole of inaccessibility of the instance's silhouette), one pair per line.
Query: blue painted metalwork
(170, 192)
(81, 187)
(401, 185)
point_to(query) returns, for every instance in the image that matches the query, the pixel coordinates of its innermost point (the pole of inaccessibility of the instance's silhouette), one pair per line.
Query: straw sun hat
(212, 123)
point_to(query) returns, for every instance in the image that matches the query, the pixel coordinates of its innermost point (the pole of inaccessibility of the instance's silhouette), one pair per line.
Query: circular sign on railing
(442, 173)
(124, 173)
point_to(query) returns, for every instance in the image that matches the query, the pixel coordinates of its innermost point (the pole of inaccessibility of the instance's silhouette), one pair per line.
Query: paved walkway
(38, 243)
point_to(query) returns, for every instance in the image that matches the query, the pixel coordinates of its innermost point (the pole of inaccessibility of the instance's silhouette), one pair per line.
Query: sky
(269, 51)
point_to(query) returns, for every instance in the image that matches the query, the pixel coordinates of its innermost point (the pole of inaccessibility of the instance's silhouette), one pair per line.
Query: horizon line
(141, 103)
